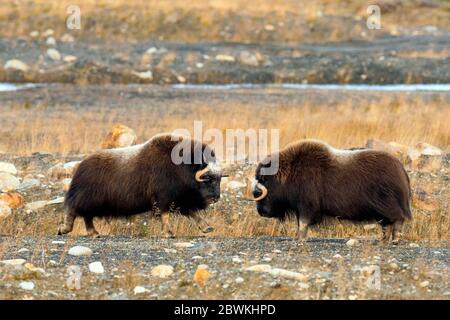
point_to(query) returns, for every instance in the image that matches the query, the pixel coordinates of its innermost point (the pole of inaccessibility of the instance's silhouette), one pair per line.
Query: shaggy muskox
(315, 180)
(127, 181)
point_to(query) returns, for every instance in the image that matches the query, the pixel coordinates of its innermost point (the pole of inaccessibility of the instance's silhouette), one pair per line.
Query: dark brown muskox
(316, 180)
(128, 181)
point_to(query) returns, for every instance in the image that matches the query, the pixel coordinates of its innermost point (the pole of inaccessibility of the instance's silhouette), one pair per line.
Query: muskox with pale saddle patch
(128, 181)
(316, 180)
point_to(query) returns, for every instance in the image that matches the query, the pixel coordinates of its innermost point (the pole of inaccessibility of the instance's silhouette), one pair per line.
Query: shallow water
(344, 87)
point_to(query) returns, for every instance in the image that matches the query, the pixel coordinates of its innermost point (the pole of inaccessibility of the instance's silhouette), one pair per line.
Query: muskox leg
(69, 219)
(201, 223)
(90, 229)
(387, 232)
(396, 231)
(302, 228)
(165, 221)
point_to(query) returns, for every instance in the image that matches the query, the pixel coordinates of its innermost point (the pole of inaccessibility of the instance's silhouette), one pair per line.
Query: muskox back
(315, 179)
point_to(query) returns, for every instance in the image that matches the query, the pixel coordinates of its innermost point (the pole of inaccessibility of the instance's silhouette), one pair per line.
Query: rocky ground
(221, 268)
(405, 59)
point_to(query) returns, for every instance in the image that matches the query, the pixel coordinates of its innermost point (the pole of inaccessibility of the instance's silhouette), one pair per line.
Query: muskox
(316, 180)
(128, 181)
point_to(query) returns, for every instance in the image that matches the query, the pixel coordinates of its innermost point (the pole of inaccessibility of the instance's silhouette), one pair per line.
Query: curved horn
(199, 174)
(264, 192)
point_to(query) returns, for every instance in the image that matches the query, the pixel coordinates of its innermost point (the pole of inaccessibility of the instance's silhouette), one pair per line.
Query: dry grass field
(220, 20)
(60, 128)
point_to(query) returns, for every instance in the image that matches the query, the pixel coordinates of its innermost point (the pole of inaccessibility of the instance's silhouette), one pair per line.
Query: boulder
(16, 64)
(14, 200)
(8, 168)
(119, 136)
(53, 54)
(8, 181)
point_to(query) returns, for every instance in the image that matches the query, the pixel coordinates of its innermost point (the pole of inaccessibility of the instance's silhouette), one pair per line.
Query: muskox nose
(256, 193)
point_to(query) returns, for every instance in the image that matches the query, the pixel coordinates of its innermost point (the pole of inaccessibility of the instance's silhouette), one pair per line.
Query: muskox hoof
(208, 229)
(93, 234)
(62, 230)
(169, 234)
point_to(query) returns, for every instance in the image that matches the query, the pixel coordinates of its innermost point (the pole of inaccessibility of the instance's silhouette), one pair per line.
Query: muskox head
(208, 181)
(270, 195)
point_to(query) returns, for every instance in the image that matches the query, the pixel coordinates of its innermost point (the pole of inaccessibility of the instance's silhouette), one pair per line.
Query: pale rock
(73, 280)
(57, 200)
(96, 267)
(424, 284)
(277, 272)
(140, 290)
(48, 33)
(236, 260)
(22, 250)
(119, 136)
(236, 185)
(16, 64)
(428, 149)
(414, 245)
(51, 41)
(199, 65)
(28, 184)
(239, 280)
(352, 297)
(183, 245)
(162, 271)
(80, 251)
(13, 262)
(8, 168)
(66, 37)
(352, 242)
(8, 181)
(58, 242)
(248, 58)
(34, 34)
(225, 58)
(152, 50)
(36, 205)
(168, 250)
(269, 27)
(26, 285)
(69, 58)
(260, 268)
(53, 54)
(144, 75)
(181, 79)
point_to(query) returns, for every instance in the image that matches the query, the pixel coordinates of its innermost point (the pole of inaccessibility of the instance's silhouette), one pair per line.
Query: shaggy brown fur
(129, 181)
(315, 180)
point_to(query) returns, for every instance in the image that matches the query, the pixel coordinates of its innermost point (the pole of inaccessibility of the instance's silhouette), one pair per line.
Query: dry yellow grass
(67, 130)
(202, 20)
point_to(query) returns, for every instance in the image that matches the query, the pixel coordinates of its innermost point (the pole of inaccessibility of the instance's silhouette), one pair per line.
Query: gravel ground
(325, 268)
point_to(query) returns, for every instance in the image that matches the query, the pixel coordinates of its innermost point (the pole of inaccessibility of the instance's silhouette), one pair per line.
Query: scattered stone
(183, 244)
(14, 200)
(48, 32)
(269, 27)
(260, 268)
(34, 34)
(352, 297)
(28, 184)
(139, 290)
(225, 58)
(236, 185)
(36, 205)
(162, 271)
(57, 200)
(393, 266)
(26, 285)
(197, 257)
(5, 210)
(22, 250)
(424, 284)
(145, 75)
(352, 242)
(96, 267)
(80, 251)
(414, 245)
(202, 275)
(58, 242)
(170, 250)
(8, 181)
(236, 260)
(73, 281)
(239, 280)
(66, 37)
(16, 64)
(53, 54)
(181, 79)
(370, 270)
(337, 256)
(51, 41)
(277, 272)
(248, 58)
(8, 168)
(69, 58)
(13, 262)
(119, 136)
(428, 149)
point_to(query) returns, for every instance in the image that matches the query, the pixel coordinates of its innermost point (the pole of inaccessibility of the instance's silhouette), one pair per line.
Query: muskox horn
(264, 192)
(199, 173)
